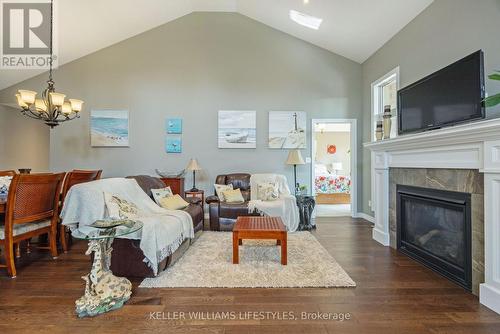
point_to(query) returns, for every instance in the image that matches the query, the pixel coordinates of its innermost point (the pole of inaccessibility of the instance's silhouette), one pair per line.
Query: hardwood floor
(394, 294)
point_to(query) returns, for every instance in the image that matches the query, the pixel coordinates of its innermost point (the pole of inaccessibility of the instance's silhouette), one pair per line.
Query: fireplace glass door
(434, 227)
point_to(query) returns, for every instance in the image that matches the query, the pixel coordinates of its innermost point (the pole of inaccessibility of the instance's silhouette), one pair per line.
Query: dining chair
(73, 178)
(7, 173)
(32, 210)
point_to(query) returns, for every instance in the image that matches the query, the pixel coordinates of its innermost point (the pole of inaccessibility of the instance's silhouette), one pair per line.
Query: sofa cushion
(220, 188)
(119, 208)
(161, 193)
(175, 202)
(233, 196)
(267, 191)
(233, 210)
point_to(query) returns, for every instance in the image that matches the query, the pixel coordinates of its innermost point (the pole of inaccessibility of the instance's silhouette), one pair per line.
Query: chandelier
(52, 107)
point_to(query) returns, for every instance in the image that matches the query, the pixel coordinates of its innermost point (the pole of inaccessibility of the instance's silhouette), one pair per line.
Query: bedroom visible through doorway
(332, 167)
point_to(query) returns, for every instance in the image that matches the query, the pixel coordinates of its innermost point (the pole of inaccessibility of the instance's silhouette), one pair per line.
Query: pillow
(5, 184)
(119, 208)
(220, 188)
(175, 202)
(158, 194)
(267, 191)
(233, 196)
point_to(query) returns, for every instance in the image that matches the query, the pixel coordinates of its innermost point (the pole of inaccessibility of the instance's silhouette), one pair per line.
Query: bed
(331, 188)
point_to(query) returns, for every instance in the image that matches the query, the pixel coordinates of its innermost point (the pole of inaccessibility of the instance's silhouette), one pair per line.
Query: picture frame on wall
(173, 144)
(237, 129)
(174, 125)
(109, 128)
(287, 129)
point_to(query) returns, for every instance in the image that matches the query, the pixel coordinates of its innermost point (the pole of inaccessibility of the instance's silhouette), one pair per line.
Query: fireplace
(434, 228)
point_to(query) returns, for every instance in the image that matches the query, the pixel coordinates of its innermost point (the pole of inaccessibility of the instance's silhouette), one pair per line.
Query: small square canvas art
(237, 129)
(173, 144)
(109, 128)
(287, 129)
(174, 125)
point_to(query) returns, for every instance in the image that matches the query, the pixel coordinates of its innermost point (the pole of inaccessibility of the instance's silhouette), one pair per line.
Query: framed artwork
(287, 129)
(237, 129)
(174, 125)
(109, 128)
(173, 144)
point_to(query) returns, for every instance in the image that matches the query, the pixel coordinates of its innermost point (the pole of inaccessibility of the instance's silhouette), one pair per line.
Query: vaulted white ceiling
(354, 29)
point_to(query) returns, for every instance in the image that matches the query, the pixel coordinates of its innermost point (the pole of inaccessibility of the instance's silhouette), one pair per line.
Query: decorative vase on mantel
(387, 121)
(379, 132)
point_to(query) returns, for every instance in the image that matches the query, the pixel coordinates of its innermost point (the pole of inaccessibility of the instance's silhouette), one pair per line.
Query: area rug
(208, 264)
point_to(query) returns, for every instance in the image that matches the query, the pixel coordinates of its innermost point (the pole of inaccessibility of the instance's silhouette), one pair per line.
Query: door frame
(354, 156)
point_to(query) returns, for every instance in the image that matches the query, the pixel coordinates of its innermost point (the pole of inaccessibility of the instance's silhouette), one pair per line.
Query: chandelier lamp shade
(52, 108)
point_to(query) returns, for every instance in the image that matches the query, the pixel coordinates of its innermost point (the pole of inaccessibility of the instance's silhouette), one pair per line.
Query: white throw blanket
(284, 207)
(163, 231)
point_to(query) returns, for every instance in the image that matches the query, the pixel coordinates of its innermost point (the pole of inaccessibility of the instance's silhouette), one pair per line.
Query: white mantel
(468, 146)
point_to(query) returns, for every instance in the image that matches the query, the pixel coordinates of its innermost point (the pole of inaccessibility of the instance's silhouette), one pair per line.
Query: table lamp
(193, 166)
(295, 158)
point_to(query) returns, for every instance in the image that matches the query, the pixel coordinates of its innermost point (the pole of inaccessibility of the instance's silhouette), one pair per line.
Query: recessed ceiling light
(306, 2)
(305, 20)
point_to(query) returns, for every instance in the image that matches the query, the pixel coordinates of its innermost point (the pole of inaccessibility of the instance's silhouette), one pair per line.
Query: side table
(175, 183)
(104, 291)
(306, 206)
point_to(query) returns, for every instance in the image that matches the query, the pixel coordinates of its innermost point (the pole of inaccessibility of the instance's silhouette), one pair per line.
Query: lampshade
(66, 108)
(27, 96)
(20, 101)
(57, 99)
(193, 165)
(76, 105)
(40, 105)
(336, 165)
(295, 158)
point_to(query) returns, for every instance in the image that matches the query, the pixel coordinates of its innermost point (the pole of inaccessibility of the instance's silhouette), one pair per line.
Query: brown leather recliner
(223, 215)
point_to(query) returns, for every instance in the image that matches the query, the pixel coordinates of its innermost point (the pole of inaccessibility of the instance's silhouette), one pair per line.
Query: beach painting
(174, 125)
(237, 129)
(109, 128)
(173, 144)
(287, 129)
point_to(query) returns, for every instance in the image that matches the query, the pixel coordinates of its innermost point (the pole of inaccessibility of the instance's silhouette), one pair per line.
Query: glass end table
(104, 291)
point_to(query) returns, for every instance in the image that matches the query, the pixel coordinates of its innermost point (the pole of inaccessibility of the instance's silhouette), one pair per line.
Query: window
(384, 92)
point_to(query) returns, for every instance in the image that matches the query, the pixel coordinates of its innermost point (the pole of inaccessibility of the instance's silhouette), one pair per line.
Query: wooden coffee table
(259, 228)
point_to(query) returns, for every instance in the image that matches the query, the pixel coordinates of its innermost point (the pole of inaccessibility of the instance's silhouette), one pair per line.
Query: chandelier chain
(51, 37)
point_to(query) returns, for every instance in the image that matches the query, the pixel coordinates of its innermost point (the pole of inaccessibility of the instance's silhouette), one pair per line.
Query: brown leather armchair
(223, 215)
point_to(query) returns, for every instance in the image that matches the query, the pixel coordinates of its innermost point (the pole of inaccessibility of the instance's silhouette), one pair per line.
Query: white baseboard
(365, 216)
(380, 236)
(489, 296)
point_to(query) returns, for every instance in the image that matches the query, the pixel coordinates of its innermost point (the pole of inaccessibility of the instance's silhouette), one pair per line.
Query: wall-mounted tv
(449, 96)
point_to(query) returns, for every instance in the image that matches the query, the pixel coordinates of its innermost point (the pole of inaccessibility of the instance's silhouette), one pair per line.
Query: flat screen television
(449, 96)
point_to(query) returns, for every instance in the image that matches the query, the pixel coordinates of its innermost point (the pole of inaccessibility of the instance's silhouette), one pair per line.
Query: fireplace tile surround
(441, 158)
(462, 180)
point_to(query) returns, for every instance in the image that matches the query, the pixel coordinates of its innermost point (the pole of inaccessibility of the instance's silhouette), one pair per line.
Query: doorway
(333, 167)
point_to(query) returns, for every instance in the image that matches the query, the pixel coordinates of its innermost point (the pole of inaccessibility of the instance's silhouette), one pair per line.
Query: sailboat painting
(287, 129)
(237, 129)
(173, 144)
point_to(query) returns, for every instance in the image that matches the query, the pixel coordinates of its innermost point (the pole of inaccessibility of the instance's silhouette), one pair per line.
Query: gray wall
(24, 143)
(191, 68)
(444, 32)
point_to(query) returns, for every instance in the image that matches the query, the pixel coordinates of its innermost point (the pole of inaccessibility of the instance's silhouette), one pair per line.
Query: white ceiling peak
(353, 29)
